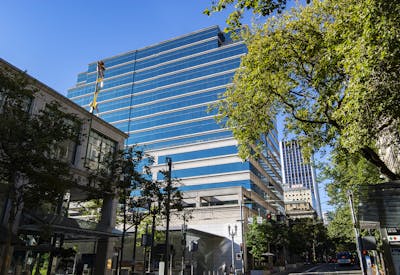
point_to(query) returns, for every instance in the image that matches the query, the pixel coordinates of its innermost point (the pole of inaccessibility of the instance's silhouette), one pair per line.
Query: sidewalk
(294, 270)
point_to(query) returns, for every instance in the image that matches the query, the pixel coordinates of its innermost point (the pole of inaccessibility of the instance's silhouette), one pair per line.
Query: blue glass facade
(160, 96)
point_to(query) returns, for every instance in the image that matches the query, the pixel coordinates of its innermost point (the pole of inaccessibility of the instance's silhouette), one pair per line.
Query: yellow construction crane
(99, 84)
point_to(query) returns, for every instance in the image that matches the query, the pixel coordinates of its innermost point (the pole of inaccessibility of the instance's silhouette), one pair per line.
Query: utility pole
(233, 233)
(167, 212)
(242, 233)
(358, 238)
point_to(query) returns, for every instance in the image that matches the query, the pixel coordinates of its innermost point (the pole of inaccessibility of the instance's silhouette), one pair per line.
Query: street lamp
(137, 217)
(183, 230)
(167, 213)
(232, 233)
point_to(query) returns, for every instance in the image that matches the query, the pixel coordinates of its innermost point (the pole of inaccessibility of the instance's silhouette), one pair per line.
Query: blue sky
(54, 40)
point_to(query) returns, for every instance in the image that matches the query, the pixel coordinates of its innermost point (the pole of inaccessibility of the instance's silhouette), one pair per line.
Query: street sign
(394, 238)
(259, 220)
(393, 231)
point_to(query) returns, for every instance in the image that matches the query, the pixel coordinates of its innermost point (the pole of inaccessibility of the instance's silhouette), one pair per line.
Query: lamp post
(167, 212)
(183, 230)
(137, 216)
(232, 233)
(153, 210)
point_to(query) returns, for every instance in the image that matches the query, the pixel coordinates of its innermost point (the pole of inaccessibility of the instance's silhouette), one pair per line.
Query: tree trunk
(7, 251)
(374, 158)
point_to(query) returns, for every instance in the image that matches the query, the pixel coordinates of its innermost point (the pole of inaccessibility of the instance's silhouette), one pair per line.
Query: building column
(105, 248)
(198, 201)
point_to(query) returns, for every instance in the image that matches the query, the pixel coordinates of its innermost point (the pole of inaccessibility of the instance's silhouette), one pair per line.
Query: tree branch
(373, 157)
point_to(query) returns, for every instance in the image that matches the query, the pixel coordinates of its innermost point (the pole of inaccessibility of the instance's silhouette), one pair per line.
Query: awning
(71, 229)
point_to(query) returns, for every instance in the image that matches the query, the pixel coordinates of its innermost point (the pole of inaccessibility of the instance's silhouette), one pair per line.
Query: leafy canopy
(346, 173)
(331, 68)
(263, 7)
(32, 168)
(257, 238)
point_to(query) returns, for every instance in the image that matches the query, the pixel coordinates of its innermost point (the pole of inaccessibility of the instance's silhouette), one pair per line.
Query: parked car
(344, 258)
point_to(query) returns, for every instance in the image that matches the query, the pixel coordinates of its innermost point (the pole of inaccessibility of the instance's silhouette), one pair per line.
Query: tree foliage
(305, 235)
(341, 230)
(32, 169)
(345, 174)
(299, 236)
(121, 172)
(331, 68)
(263, 7)
(257, 239)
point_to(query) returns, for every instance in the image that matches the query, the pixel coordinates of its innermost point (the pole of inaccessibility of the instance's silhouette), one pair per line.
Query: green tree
(279, 241)
(32, 171)
(257, 239)
(263, 7)
(121, 174)
(345, 174)
(341, 230)
(307, 237)
(332, 69)
(267, 237)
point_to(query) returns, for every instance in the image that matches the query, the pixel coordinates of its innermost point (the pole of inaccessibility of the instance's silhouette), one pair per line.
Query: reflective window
(181, 140)
(81, 90)
(243, 183)
(184, 88)
(177, 42)
(99, 146)
(82, 77)
(182, 129)
(221, 151)
(187, 75)
(208, 170)
(190, 62)
(169, 118)
(141, 53)
(114, 116)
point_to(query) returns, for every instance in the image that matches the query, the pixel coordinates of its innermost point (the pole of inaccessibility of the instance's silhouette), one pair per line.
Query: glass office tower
(160, 95)
(296, 173)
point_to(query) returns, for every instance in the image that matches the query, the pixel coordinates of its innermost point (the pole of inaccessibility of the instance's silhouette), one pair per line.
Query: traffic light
(269, 217)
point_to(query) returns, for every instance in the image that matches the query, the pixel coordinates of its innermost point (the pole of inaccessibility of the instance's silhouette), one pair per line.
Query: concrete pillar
(105, 248)
(198, 201)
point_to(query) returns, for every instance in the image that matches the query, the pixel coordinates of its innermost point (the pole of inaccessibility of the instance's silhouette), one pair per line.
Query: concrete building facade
(97, 138)
(298, 203)
(298, 173)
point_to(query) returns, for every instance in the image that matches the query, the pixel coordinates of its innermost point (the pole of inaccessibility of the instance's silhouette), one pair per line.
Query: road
(327, 269)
